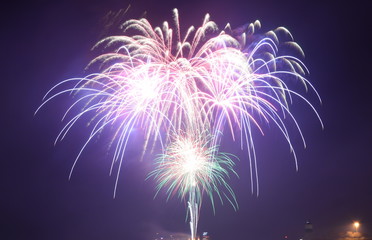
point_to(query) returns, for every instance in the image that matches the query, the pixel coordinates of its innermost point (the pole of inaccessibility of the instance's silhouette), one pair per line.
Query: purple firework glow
(204, 83)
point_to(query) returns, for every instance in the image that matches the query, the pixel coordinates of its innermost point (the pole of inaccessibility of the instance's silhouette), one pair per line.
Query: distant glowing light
(356, 225)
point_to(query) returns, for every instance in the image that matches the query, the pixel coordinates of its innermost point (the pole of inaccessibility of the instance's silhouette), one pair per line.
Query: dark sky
(46, 42)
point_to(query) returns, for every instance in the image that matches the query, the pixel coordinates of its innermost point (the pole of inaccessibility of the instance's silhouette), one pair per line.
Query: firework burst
(191, 167)
(177, 88)
(190, 161)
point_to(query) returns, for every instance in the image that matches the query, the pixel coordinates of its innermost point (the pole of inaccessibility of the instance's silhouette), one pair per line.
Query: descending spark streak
(213, 81)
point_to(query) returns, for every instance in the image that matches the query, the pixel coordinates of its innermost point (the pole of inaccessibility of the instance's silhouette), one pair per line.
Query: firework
(190, 167)
(177, 88)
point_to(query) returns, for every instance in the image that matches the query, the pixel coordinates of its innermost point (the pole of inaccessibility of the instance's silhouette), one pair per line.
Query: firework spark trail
(207, 81)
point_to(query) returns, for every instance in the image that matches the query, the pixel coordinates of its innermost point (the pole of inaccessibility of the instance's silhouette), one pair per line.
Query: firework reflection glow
(184, 92)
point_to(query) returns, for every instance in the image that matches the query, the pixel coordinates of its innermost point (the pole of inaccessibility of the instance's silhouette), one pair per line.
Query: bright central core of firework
(191, 159)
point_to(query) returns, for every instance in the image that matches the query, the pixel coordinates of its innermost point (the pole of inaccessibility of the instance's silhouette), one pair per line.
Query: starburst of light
(178, 87)
(191, 162)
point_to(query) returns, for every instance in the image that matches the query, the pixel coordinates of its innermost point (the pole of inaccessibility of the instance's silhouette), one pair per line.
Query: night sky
(46, 42)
